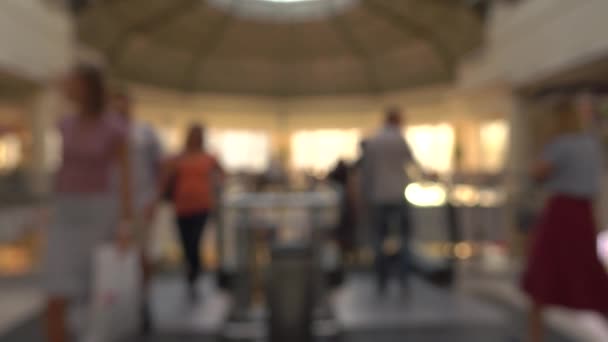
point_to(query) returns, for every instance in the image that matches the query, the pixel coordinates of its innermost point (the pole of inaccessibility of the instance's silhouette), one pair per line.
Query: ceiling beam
(359, 52)
(146, 25)
(410, 26)
(208, 43)
(14, 88)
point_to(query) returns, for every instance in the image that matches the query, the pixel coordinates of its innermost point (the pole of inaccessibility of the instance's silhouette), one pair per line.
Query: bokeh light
(426, 194)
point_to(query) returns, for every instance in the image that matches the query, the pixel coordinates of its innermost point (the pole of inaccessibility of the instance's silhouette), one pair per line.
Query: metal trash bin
(294, 226)
(291, 294)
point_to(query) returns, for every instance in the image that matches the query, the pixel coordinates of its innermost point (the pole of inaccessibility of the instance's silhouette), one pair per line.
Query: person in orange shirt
(189, 185)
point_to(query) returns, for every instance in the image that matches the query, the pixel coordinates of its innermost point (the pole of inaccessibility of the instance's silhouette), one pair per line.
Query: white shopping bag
(115, 303)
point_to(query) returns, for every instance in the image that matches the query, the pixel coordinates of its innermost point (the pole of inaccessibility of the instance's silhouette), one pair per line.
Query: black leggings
(191, 229)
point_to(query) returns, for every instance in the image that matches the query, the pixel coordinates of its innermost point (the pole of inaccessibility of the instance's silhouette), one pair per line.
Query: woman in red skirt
(563, 268)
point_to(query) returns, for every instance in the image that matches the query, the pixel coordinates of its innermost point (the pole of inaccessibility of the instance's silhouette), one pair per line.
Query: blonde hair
(567, 116)
(553, 116)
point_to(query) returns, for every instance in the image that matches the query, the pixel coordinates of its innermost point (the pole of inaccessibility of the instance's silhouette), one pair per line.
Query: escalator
(447, 232)
(463, 224)
(430, 310)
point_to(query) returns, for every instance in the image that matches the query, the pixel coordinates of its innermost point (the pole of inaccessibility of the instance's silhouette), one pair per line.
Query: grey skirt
(80, 223)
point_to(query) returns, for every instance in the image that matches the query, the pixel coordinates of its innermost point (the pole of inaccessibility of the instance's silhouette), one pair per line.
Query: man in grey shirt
(145, 155)
(387, 157)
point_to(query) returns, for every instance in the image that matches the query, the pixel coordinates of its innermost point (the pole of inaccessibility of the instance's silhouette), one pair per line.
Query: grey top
(386, 157)
(577, 165)
(145, 153)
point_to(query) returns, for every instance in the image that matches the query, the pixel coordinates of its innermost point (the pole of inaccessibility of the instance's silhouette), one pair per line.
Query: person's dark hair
(119, 91)
(393, 116)
(363, 144)
(567, 116)
(93, 79)
(195, 138)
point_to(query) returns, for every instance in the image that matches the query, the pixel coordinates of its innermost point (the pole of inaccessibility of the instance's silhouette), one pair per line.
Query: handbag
(115, 314)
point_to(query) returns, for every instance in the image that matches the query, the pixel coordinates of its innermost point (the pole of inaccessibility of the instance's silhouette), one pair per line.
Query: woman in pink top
(85, 211)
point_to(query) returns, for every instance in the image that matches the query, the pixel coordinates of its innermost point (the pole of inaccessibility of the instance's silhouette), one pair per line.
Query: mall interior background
(483, 127)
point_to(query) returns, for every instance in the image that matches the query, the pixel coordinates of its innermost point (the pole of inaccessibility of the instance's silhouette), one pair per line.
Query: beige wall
(35, 38)
(365, 112)
(529, 40)
(11, 115)
(280, 117)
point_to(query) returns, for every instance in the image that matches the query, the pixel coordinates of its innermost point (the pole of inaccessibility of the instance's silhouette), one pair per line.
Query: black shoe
(193, 295)
(147, 326)
(382, 289)
(405, 292)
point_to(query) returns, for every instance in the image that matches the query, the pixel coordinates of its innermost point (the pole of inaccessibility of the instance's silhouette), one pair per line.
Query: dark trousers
(392, 220)
(191, 229)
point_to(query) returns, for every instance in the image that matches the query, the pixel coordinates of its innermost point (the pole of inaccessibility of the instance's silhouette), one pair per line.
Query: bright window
(284, 10)
(237, 150)
(240, 150)
(432, 145)
(172, 139)
(10, 152)
(319, 150)
(494, 136)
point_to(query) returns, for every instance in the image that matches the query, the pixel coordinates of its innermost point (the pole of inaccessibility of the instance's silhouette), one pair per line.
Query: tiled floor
(174, 313)
(30, 331)
(18, 302)
(359, 307)
(578, 326)
(426, 314)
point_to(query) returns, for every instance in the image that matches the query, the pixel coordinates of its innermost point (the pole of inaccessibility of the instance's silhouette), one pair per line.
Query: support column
(468, 146)
(517, 167)
(281, 145)
(44, 111)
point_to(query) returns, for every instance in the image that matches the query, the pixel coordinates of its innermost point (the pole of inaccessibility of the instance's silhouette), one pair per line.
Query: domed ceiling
(282, 47)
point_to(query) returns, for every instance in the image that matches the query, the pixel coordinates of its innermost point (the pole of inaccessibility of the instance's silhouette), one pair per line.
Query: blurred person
(563, 265)
(145, 153)
(361, 190)
(386, 158)
(189, 182)
(85, 205)
(275, 175)
(344, 234)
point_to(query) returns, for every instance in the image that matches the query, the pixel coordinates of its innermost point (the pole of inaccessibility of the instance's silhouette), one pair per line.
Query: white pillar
(44, 111)
(520, 147)
(517, 166)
